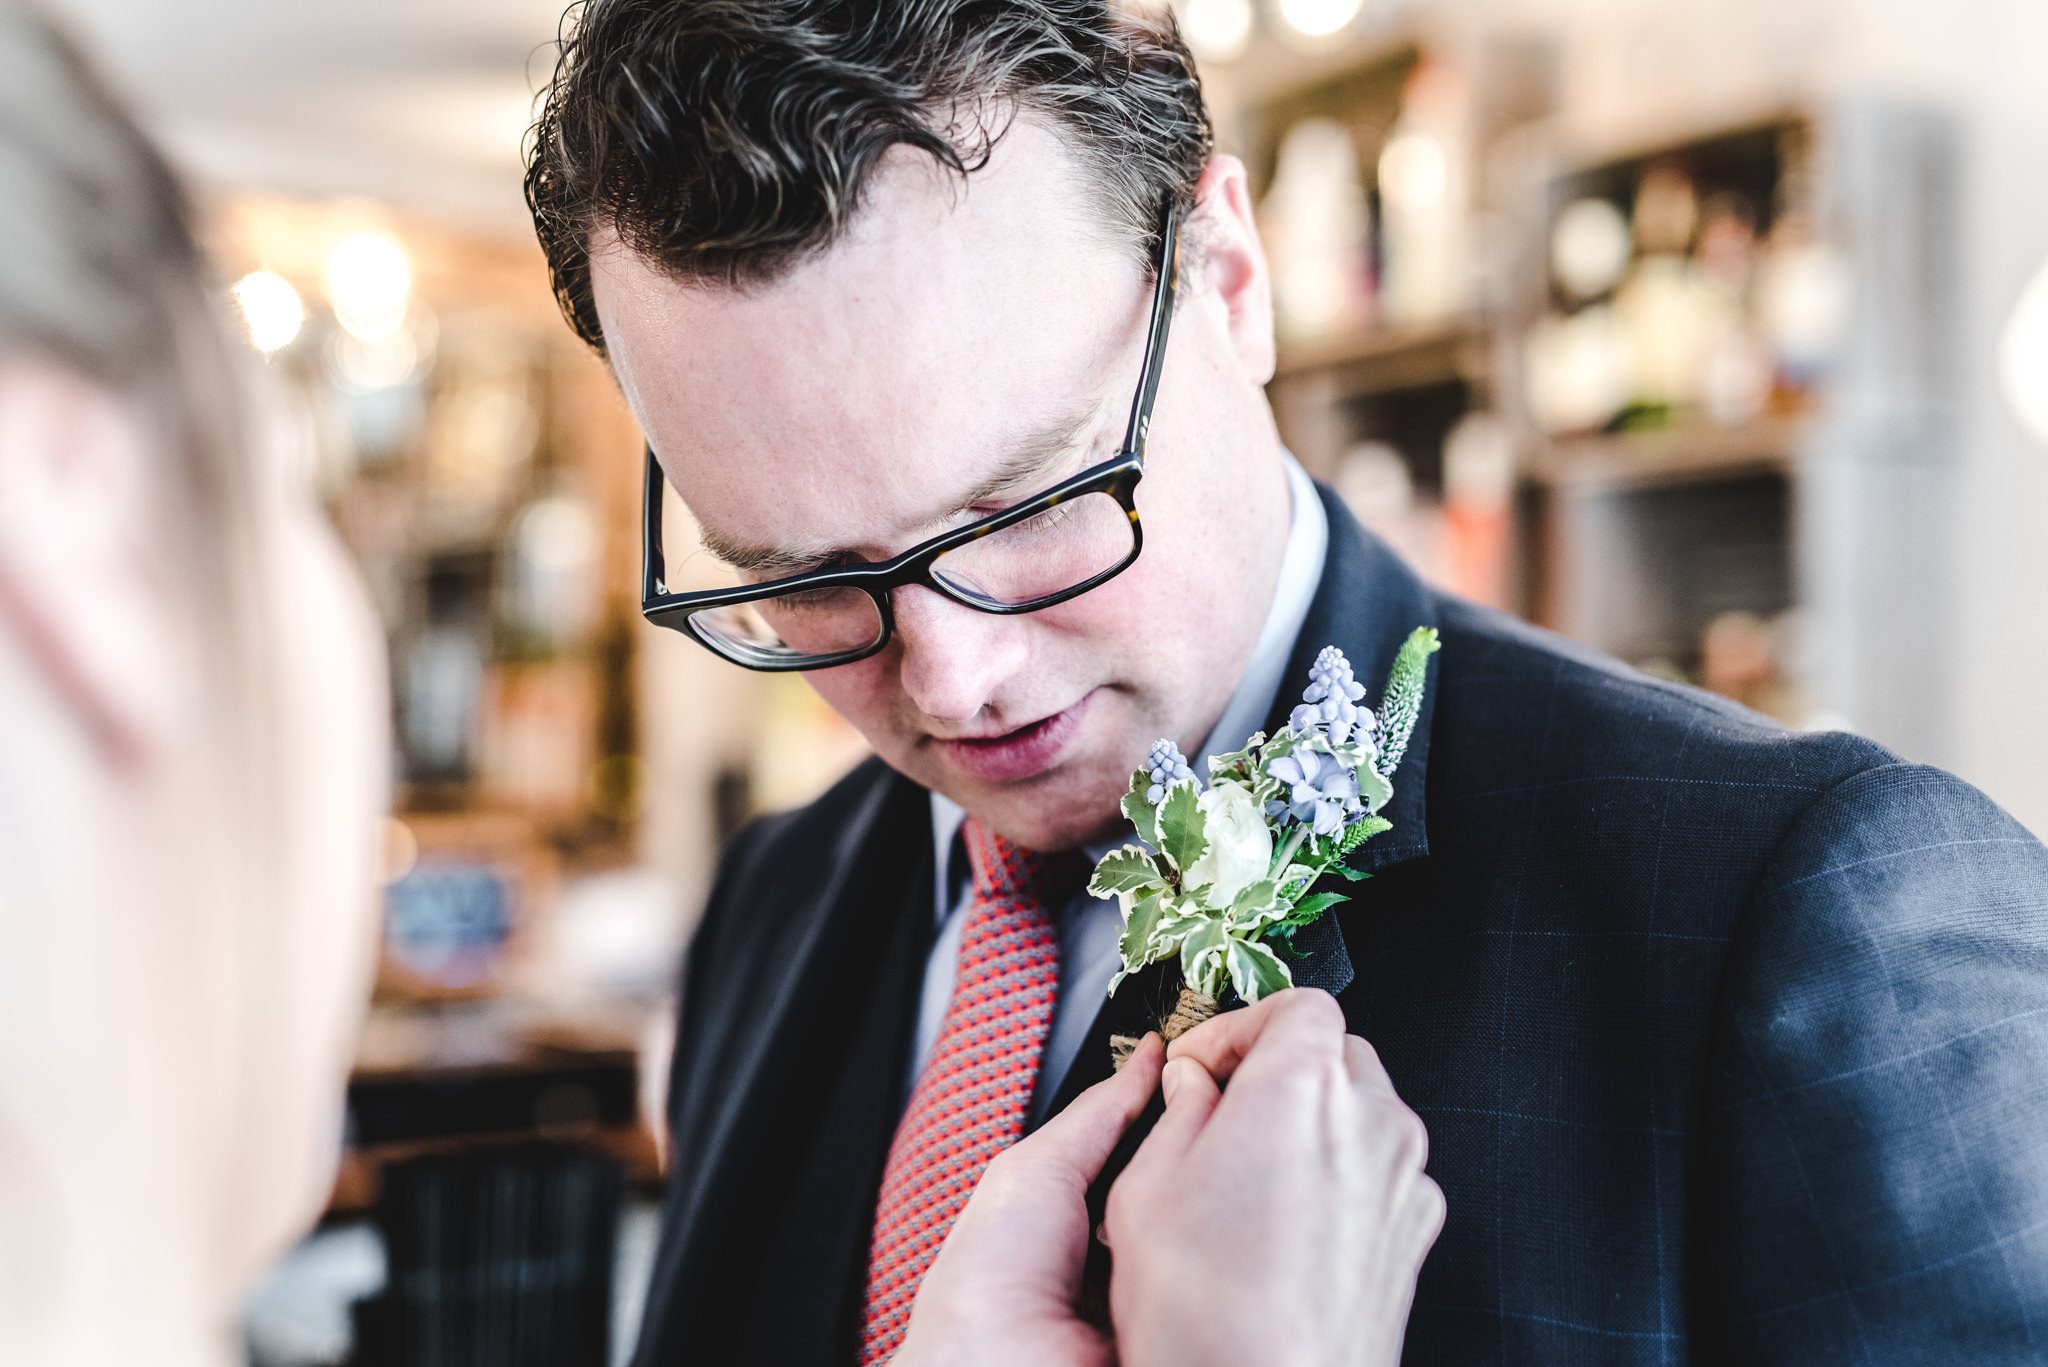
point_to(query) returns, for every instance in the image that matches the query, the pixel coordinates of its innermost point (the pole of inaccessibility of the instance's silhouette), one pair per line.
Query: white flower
(1240, 844)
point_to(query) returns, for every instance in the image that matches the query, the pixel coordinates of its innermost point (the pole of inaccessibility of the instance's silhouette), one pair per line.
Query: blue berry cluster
(1166, 765)
(1331, 700)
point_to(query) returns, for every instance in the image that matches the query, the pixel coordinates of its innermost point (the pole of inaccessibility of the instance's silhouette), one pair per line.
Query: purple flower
(1330, 701)
(1321, 789)
(1165, 765)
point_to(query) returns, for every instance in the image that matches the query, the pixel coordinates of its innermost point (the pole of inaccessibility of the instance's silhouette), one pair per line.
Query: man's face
(846, 409)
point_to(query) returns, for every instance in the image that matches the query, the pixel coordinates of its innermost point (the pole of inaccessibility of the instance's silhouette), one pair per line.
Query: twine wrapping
(1190, 1009)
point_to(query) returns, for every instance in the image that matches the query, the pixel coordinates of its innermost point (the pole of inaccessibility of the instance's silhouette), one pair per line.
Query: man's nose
(951, 658)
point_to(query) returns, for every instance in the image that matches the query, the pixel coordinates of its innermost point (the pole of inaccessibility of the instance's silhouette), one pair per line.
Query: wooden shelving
(1673, 456)
(1387, 360)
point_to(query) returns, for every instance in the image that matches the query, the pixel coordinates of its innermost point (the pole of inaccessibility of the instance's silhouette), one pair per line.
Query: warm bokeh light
(1589, 248)
(271, 309)
(369, 283)
(1319, 18)
(367, 364)
(400, 852)
(2023, 358)
(1413, 170)
(1217, 30)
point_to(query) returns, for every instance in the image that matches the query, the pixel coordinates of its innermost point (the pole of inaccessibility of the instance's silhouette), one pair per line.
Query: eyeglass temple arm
(1162, 320)
(652, 567)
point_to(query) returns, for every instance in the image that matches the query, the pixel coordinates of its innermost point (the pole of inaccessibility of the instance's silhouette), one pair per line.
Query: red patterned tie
(969, 1103)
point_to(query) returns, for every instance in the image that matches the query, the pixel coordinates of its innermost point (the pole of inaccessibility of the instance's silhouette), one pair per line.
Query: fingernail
(1170, 1080)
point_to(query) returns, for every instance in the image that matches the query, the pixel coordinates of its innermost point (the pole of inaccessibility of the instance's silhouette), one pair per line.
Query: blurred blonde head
(191, 763)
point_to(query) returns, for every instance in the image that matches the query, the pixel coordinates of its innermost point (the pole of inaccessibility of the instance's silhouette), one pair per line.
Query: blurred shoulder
(781, 861)
(1521, 705)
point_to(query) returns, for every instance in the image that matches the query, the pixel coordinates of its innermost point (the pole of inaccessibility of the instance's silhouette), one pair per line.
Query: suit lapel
(820, 1247)
(786, 1172)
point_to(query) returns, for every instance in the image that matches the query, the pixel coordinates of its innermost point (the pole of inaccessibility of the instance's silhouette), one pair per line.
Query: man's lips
(1016, 754)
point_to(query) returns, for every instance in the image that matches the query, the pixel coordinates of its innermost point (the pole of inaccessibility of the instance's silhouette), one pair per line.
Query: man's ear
(82, 597)
(1232, 262)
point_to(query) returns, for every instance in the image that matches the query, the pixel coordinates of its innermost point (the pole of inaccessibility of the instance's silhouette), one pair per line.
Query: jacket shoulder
(1872, 1104)
(1522, 705)
(781, 852)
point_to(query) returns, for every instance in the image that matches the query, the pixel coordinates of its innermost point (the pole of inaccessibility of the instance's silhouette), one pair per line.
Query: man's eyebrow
(1019, 470)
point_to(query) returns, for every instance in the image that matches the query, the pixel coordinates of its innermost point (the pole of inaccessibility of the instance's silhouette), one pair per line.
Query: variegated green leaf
(1256, 971)
(1255, 924)
(1182, 915)
(1374, 788)
(1139, 810)
(1239, 765)
(1180, 825)
(1255, 897)
(1258, 905)
(1201, 957)
(1129, 869)
(1141, 942)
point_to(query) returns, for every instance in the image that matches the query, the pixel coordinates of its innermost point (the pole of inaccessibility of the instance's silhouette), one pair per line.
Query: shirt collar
(1301, 569)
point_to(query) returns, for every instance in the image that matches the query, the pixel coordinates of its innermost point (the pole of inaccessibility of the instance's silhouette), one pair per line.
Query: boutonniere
(1223, 876)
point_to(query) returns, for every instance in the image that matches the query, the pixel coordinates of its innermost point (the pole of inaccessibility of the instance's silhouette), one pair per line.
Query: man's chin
(1066, 830)
(1046, 815)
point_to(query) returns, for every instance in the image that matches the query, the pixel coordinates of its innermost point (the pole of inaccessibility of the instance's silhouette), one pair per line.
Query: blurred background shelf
(1632, 381)
(1390, 359)
(1669, 456)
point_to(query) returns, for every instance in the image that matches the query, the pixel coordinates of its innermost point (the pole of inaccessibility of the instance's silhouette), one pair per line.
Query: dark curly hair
(725, 139)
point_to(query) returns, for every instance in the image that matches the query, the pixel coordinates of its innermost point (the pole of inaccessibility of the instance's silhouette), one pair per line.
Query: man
(1726, 1038)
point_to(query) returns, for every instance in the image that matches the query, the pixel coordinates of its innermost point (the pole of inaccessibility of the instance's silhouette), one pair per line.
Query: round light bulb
(1319, 18)
(369, 282)
(271, 309)
(1218, 30)
(1589, 247)
(2023, 358)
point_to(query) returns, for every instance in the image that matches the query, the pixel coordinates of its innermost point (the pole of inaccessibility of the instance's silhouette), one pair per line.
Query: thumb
(1078, 1141)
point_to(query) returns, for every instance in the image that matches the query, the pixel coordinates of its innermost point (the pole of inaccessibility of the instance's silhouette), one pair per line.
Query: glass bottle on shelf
(1316, 225)
(1424, 185)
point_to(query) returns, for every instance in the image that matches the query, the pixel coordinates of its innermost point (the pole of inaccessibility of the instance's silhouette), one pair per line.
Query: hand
(1282, 1220)
(1006, 1283)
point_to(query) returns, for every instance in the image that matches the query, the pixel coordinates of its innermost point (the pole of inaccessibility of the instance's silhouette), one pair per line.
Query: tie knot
(1003, 868)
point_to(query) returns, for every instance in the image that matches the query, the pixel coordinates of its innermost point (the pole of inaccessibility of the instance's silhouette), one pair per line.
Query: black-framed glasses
(1053, 546)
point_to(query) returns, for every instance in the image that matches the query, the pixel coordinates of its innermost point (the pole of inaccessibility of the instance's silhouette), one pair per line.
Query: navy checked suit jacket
(1732, 1042)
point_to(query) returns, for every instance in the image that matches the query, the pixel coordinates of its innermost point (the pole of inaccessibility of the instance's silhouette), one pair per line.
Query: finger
(1362, 1063)
(1078, 1141)
(1301, 1020)
(1431, 1210)
(1191, 1097)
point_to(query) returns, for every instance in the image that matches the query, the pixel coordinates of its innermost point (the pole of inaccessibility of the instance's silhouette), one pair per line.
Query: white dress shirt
(1090, 926)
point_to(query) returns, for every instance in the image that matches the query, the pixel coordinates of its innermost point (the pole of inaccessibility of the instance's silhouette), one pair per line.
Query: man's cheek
(864, 694)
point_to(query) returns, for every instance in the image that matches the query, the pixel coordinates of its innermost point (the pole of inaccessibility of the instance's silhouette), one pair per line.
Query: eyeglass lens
(1026, 562)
